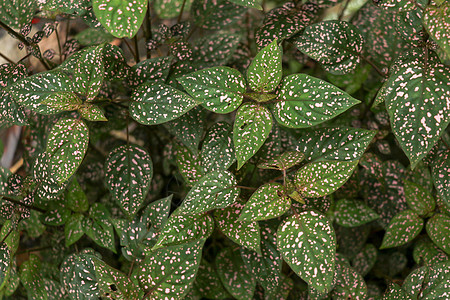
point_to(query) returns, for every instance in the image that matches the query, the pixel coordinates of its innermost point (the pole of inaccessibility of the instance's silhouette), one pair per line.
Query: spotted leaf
(234, 274)
(438, 229)
(120, 18)
(98, 226)
(93, 36)
(214, 190)
(266, 202)
(215, 15)
(208, 283)
(335, 44)
(349, 283)
(417, 102)
(364, 261)
(66, 146)
(284, 161)
(181, 229)
(304, 101)
(168, 273)
(244, 233)
(264, 72)
(404, 227)
(319, 179)
(419, 198)
(166, 9)
(189, 165)
(441, 180)
(63, 101)
(249, 3)
(252, 126)
(437, 22)
(158, 103)
(335, 143)
(427, 253)
(219, 89)
(353, 213)
(32, 279)
(10, 111)
(73, 230)
(17, 13)
(217, 151)
(395, 292)
(92, 112)
(153, 70)
(5, 263)
(307, 243)
(128, 172)
(429, 282)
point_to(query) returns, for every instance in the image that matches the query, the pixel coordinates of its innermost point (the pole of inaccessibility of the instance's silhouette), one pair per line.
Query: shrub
(245, 149)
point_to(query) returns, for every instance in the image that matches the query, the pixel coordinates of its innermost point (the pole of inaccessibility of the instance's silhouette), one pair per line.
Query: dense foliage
(239, 149)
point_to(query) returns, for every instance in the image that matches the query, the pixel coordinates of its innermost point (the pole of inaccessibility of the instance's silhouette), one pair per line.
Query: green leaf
(364, 261)
(427, 253)
(437, 22)
(335, 143)
(219, 89)
(235, 276)
(440, 170)
(167, 9)
(417, 104)
(73, 230)
(268, 201)
(5, 264)
(93, 36)
(307, 243)
(252, 126)
(429, 282)
(398, 5)
(264, 72)
(322, 178)
(66, 146)
(337, 45)
(99, 227)
(215, 15)
(65, 101)
(189, 165)
(244, 233)
(249, 3)
(215, 190)
(208, 282)
(419, 199)
(404, 227)
(120, 18)
(128, 172)
(92, 112)
(153, 70)
(438, 229)
(284, 161)
(76, 199)
(31, 278)
(184, 229)
(215, 49)
(353, 213)
(11, 112)
(169, 272)
(158, 103)
(16, 13)
(217, 151)
(395, 292)
(56, 216)
(349, 283)
(305, 101)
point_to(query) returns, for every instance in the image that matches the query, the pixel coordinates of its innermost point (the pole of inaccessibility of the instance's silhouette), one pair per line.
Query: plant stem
(246, 187)
(131, 49)
(181, 11)
(148, 31)
(59, 45)
(343, 10)
(136, 48)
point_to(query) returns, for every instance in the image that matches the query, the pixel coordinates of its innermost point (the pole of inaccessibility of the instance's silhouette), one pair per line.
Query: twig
(343, 10)
(181, 11)
(136, 48)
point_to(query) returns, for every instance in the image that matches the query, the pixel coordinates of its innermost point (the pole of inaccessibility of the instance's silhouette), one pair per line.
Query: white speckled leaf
(438, 229)
(98, 226)
(395, 292)
(5, 263)
(189, 165)
(215, 190)
(128, 173)
(404, 227)
(398, 5)
(335, 143)
(158, 103)
(219, 89)
(417, 98)
(92, 112)
(364, 261)
(181, 229)
(267, 202)
(353, 213)
(10, 111)
(349, 283)
(217, 151)
(244, 233)
(437, 22)
(304, 101)
(66, 146)
(319, 179)
(335, 44)
(419, 198)
(17, 13)
(168, 273)
(73, 230)
(234, 274)
(252, 126)
(64, 101)
(249, 3)
(441, 178)
(283, 161)
(307, 243)
(264, 72)
(121, 18)
(215, 15)
(429, 282)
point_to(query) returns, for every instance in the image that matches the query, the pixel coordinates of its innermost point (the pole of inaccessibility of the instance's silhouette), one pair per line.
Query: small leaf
(264, 72)
(158, 103)
(208, 283)
(284, 161)
(252, 126)
(395, 292)
(267, 202)
(99, 227)
(76, 199)
(215, 15)
(5, 263)
(153, 70)
(436, 20)
(364, 261)
(73, 230)
(217, 151)
(249, 3)
(353, 213)
(441, 180)
(219, 89)
(427, 253)
(349, 283)
(404, 227)
(319, 179)
(438, 229)
(65, 101)
(308, 244)
(215, 49)
(92, 112)
(304, 101)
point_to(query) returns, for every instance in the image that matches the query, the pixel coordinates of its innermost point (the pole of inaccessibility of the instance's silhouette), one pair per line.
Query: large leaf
(128, 172)
(335, 44)
(417, 102)
(404, 227)
(158, 103)
(323, 178)
(264, 72)
(66, 146)
(438, 229)
(307, 243)
(17, 13)
(352, 213)
(304, 101)
(167, 273)
(437, 22)
(252, 126)
(217, 189)
(120, 18)
(219, 89)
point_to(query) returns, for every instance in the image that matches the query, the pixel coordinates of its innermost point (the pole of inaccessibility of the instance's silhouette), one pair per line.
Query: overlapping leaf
(437, 22)
(438, 229)
(419, 199)
(215, 50)
(208, 283)
(440, 171)
(427, 253)
(403, 227)
(349, 283)
(10, 111)
(189, 128)
(429, 282)
(99, 226)
(153, 70)
(215, 15)
(365, 260)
